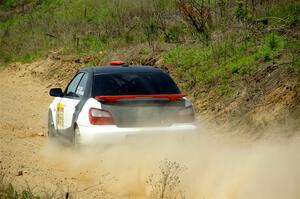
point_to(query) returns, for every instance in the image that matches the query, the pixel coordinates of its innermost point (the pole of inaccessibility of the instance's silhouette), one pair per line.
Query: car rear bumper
(112, 134)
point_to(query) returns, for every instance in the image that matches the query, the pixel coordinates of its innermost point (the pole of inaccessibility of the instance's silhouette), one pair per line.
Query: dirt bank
(214, 165)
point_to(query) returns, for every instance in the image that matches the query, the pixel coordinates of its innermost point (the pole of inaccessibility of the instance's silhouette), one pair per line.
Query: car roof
(120, 69)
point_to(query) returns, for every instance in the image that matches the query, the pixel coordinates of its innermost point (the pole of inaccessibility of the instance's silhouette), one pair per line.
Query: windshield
(134, 84)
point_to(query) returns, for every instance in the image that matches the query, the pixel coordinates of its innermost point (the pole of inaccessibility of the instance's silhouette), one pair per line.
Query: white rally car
(111, 103)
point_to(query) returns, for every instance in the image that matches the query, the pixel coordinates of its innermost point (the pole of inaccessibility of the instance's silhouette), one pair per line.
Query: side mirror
(56, 92)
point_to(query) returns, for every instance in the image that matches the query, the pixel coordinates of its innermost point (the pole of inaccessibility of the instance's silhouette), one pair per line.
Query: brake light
(117, 63)
(185, 115)
(100, 117)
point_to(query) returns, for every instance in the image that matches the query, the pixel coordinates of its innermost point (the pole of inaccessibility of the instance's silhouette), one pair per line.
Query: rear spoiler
(171, 97)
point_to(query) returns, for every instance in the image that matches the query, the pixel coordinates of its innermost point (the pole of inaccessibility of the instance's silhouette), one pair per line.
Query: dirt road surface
(214, 168)
(23, 139)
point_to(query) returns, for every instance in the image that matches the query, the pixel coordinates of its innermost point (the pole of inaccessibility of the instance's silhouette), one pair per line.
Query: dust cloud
(217, 165)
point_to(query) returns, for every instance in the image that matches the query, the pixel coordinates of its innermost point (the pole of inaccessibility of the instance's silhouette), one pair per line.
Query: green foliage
(298, 66)
(152, 27)
(90, 43)
(224, 89)
(211, 59)
(292, 43)
(7, 58)
(92, 63)
(84, 26)
(7, 190)
(171, 34)
(240, 10)
(266, 55)
(274, 42)
(272, 45)
(89, 26)
(222, 4)
(10, 3)
(30, 57)
(218, 64)
(152, 31)
(287, 13)
(144, 51)
(28, 195)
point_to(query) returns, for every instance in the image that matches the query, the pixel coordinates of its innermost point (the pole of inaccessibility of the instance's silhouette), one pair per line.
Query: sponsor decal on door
(60, 116)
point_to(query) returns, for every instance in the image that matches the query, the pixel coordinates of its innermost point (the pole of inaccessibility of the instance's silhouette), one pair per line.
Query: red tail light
(185, 115)
(100, 117)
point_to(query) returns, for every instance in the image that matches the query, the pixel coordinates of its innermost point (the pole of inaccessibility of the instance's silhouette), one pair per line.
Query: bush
(223, 62)
(273, 44)
(287, 13)
(165, 184)
(90, 43)
(240, 11)
(224, 89)
(9, 3)
(7, 190)
(87, 25)
(30, 57)
(171, 35)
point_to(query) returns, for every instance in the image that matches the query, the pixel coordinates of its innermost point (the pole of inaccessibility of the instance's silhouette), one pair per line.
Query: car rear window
(134, 84)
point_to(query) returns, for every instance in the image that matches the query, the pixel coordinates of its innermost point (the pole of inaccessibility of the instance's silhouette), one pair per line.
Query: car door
(72, 96)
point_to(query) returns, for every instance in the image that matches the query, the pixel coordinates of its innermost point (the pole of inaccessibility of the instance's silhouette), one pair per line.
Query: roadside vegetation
(8, 191)
(164, 184)
(212, 48)
(210, 43)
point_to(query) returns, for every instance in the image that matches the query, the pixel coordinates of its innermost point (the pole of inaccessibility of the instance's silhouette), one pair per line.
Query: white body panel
(108, 134)
(62, 110)
(69, 109)
(53, 109)
(112, 134)
(92, 134)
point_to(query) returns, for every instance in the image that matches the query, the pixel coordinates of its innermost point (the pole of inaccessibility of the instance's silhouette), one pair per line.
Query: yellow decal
(60, 115)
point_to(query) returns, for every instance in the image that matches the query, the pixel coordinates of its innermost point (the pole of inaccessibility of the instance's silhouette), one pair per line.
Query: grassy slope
(216, 66)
